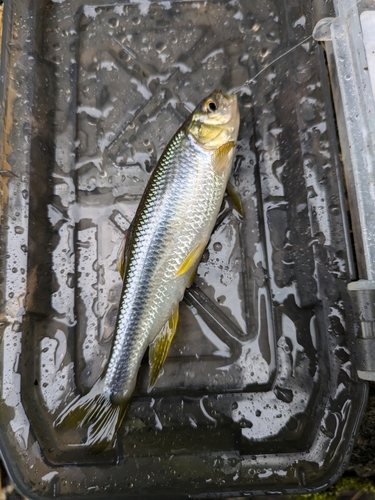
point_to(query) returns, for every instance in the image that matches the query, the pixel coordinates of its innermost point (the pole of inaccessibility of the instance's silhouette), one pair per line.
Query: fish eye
(211, 106)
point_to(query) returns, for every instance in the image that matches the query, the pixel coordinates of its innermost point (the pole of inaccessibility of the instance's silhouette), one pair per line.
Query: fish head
(215, 121)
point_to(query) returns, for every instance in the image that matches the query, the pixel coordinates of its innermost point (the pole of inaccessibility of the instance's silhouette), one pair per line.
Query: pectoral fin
(191, 262)
(222, 156)
(121, 255)
(231, 190)
(160, 346)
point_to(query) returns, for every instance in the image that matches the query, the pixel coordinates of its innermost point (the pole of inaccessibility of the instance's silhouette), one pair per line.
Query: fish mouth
(233, 105)
(230, 102)
(234, 113)
(230, 98)
(227, 100)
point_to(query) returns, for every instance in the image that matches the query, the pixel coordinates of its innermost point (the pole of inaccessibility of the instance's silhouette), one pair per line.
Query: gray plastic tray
(258, 391)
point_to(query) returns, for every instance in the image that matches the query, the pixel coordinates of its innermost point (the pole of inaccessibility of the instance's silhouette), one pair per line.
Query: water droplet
(113, 22)
(160, 46)
(18, 230)
(124, 56)
(283, 394)
(70, 280)
(218, 246)
(16, 327)
(334, 209)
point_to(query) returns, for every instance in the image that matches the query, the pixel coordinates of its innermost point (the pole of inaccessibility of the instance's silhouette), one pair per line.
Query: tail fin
(96, 410)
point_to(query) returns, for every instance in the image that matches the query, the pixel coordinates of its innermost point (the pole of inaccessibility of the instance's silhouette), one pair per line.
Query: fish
(158, 259)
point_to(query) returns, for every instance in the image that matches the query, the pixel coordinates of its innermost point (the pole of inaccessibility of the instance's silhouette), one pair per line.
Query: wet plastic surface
(349, 55)
(258, 391)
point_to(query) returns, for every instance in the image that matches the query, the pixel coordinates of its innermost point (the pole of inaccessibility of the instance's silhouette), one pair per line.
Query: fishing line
(251, 80)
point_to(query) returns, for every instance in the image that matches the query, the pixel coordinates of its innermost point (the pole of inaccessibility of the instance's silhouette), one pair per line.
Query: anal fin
(159, 348)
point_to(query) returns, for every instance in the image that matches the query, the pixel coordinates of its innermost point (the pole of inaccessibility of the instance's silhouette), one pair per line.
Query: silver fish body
(164, 244)
(179, 209)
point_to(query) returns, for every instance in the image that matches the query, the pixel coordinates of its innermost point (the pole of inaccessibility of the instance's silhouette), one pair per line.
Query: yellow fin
(231, 190)
(160, 346)
(192, 260)
(221, 156)
(121, 254)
